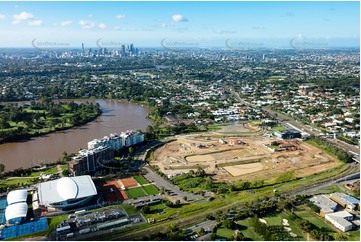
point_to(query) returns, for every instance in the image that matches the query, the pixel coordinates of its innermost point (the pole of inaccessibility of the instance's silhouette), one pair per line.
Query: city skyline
(180, 24)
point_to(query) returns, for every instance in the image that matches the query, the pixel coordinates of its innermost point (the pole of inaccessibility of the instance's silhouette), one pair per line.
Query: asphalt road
(207, 226)
(316, 187)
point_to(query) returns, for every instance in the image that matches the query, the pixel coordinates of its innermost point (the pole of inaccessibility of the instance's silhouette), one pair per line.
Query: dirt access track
(233, 158)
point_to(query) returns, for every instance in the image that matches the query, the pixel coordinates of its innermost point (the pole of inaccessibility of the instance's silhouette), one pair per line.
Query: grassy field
(278, 128)
(129, 209)
(30, 178)
(213, 127)
(248, 231)
(135, 192)
(277, 220)
(354, 235)
(141, 180)
(225, 233)
(276, 77)
(315, 219)
(151, 190)
(52, 170)
(16, 181)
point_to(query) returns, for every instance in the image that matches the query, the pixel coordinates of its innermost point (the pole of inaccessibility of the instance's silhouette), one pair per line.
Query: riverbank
(117, 116)
(42, 118)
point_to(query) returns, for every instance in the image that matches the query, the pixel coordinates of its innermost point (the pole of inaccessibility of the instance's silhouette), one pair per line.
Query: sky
(180, 24)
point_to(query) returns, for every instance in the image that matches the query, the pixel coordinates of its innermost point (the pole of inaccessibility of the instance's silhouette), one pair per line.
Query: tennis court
(140, 180)
(2, 218)
(26, 228)
(135, 192)
(129, 182)
(150, 190)
(3, 204)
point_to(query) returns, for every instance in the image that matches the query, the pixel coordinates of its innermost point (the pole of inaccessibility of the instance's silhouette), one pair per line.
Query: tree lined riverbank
(43, 117)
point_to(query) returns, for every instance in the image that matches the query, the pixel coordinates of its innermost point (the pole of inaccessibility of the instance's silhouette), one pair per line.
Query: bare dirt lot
(239, 170)
(250, 160)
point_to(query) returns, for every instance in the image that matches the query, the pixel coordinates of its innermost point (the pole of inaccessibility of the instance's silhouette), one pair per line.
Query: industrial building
(325, 204)
(344, 200)
(288, 134)
(340, 220)
(63, 193)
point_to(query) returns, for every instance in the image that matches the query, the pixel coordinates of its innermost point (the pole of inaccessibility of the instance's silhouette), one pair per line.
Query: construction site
(233, 158)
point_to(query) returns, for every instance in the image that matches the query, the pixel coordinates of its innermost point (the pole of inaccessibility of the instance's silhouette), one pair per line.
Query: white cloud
(36, 23)
(2, 16)
(179, 18)
(87, 24)
(66, 23)
(21, 17)
(120, 16)
(102, 26)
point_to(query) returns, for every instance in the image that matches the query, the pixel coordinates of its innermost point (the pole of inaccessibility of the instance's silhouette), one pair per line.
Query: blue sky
(249, 24)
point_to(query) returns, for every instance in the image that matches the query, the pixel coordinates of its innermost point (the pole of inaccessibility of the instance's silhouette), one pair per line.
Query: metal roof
(17, 196)
(66, 188)
(17, 210)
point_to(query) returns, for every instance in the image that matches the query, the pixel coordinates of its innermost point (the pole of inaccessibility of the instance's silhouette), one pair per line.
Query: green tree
(65, 173)
(229, 224)
(130, 152)
(146, 209)
(239, 236)
(340, 236)
(2, 168)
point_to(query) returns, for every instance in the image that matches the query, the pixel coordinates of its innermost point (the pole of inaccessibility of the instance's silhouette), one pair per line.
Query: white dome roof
(17, 210)
(67, 188)
(17, 196)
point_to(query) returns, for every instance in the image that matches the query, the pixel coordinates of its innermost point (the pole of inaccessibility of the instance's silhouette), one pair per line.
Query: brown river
(117, 116)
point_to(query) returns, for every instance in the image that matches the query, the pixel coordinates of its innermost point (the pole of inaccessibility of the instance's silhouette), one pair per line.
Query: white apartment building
(131, 137)
(114, 142)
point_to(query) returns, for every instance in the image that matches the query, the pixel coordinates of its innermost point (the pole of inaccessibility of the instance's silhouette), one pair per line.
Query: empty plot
(239, 170)
(200, 158)
(150, 190)
(129, 182)
(135, 192)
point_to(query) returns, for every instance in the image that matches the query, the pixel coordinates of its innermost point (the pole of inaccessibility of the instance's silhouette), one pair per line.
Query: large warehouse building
(66, 192)
(340, 220)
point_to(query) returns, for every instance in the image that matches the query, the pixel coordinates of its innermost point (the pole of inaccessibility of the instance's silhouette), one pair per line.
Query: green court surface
(135, 192)
(150, 190)
(141, 180)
